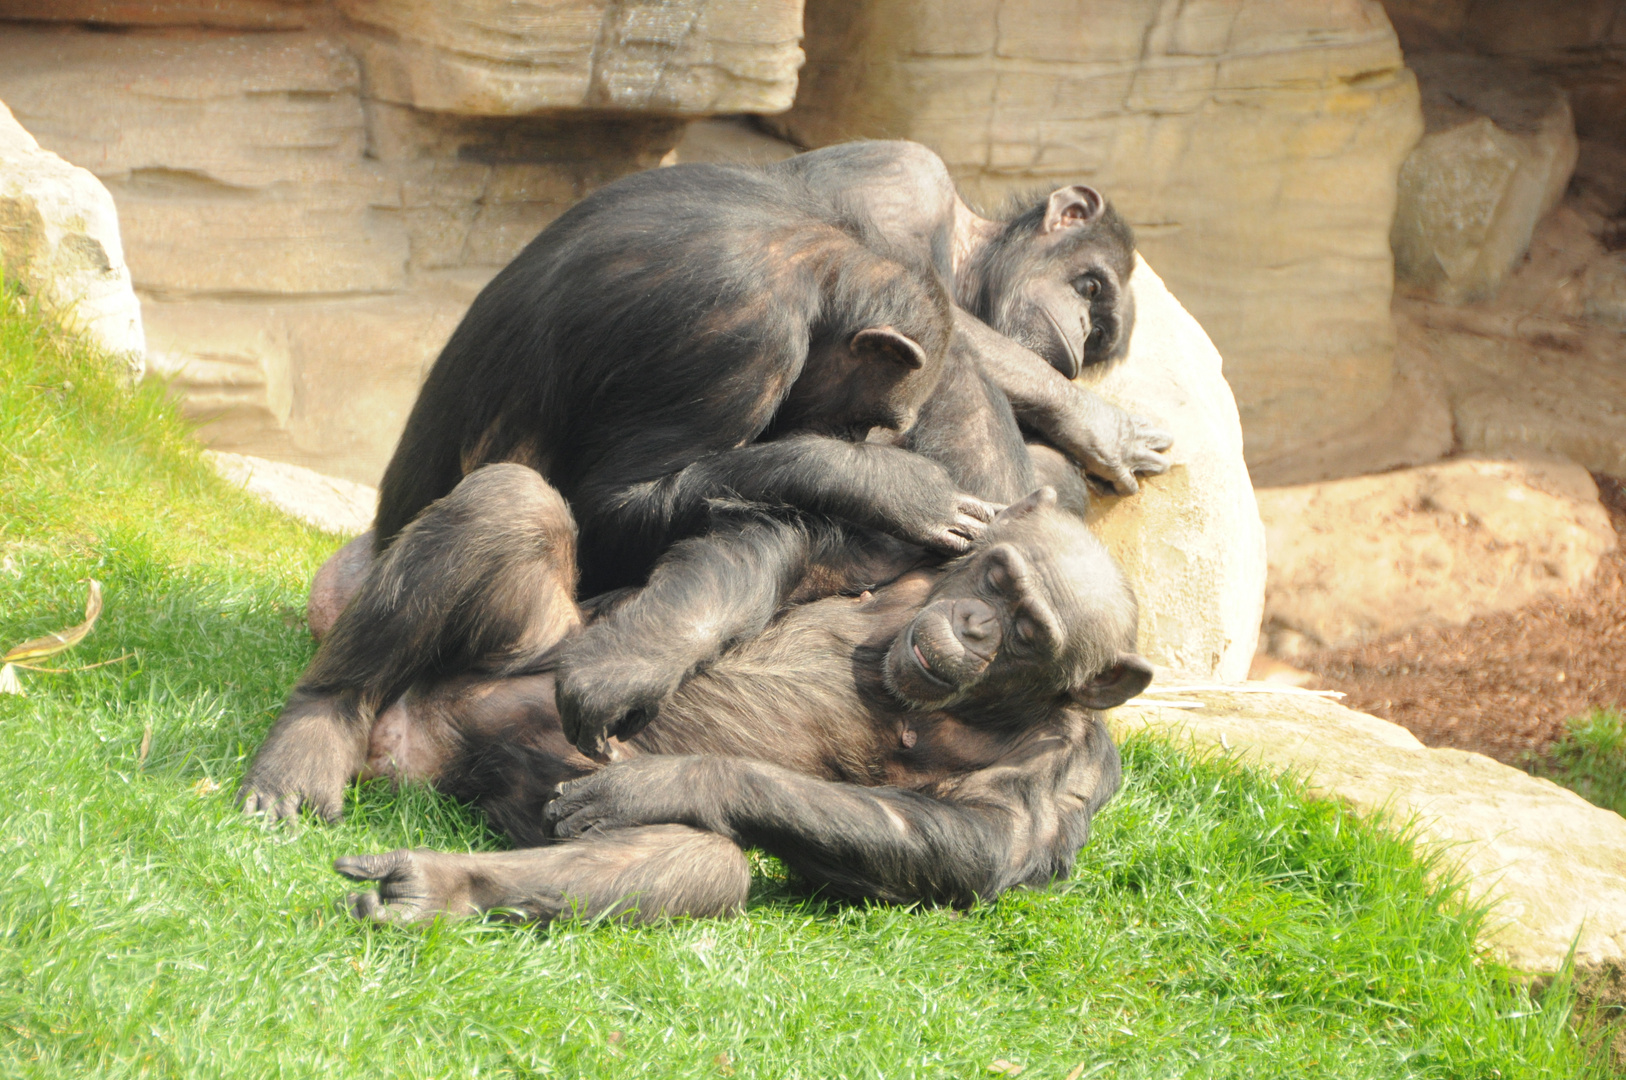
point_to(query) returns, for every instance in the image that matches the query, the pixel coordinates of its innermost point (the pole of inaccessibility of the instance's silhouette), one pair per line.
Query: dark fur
(652, 349)
(804, 739)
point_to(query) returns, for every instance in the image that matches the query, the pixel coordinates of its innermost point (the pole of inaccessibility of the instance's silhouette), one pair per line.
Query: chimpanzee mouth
(925, 666)
(1073, 364)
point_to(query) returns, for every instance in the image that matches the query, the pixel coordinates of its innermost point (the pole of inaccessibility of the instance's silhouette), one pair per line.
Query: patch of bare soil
(1502, 685)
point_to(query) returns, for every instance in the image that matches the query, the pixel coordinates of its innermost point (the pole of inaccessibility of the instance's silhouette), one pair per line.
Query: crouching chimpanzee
(935, 739)
(674, 318)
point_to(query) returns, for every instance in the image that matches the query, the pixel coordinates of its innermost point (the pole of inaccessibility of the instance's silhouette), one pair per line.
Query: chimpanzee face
(1042, 612)
(1059, 284)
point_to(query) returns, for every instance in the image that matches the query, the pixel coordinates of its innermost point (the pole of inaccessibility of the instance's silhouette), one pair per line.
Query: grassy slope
(1218, 925)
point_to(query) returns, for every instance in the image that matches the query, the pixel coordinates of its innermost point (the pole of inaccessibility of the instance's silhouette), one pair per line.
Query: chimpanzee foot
(413, 886)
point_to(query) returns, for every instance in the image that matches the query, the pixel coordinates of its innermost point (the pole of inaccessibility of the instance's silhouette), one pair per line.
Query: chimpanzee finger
(1157, 439)
(947, 542)
(979, 509)
(1152, 463)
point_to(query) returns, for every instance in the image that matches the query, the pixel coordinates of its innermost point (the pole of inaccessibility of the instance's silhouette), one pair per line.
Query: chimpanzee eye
(1097, 335)
(1087, 287)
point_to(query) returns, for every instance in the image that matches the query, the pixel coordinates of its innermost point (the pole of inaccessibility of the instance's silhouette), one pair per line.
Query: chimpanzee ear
(1076, 205)
(1042, 499)
(885, 342)
(1122, 680)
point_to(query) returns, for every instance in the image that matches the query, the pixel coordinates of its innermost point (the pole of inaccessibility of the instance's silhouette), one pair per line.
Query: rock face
(498, 58)
(302, 250)
(1373, 556)
(1191, 541)
(59, 240)
(1539, 368)
(1254, 144)
(1497, 155)
(1552, 864)
(1580, 44)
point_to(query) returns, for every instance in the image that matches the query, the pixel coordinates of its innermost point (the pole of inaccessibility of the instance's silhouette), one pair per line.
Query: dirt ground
(1505, 684)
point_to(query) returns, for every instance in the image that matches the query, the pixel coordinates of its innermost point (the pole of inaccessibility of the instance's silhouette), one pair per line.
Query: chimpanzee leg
(338, 580)
(640, 874)
(483, 580)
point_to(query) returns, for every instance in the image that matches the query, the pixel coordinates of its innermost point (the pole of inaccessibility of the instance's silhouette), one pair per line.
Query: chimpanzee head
(1056, 279)
(876, 347)
(1039, 613)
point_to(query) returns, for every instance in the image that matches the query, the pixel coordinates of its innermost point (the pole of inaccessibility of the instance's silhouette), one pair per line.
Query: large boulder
(1190, 541)
(59, 240)
(1254, 145)
(1355, 560)
(496, 57)
(1497, 153)
(1552, 865)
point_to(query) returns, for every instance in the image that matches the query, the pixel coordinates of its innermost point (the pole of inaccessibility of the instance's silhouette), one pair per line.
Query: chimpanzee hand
(957, 531)
(605, 691)
(306, 760)
(922, 506)
(654, 790)
(1110, 443)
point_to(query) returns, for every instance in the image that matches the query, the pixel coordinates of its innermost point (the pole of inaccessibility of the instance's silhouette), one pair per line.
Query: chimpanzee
(1051, 279)
(614, 675)
(935, 739)
(685, 334)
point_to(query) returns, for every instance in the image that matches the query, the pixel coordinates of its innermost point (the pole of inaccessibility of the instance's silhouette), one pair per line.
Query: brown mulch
(1504, 684)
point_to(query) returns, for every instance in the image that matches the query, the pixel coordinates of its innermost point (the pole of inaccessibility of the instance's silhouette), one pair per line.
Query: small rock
(1369, 557)
(338, 506)
(59, 239)
(1605, 289)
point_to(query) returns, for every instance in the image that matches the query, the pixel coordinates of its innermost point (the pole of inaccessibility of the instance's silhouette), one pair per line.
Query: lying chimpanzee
(933, 740)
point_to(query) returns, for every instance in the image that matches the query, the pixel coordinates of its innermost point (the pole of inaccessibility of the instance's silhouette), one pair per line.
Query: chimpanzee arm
(882, 487)
(1018, 822)
(705, 594)
(1106, 440)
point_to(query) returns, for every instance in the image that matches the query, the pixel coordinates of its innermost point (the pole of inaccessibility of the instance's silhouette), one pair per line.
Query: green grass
(1218, 925)
(1590, 759)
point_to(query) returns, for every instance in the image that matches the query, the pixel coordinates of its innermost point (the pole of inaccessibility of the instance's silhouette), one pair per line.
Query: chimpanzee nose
(977, 625)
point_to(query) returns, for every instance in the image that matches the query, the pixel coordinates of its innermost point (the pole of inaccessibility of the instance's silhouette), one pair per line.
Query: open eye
(1097, 336)
(1087, 287)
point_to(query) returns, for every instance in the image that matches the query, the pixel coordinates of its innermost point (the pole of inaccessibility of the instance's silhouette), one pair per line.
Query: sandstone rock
(59, 240)
(322, 384)
(1413, 427)
(1190, 542)
(1552, 864)
(1605, 289)
(490, 57)
(1497, 155)
(303, 251)
(338, 506)
(1369, 557)
(729, 140)
(236, 14)
(1253, 143)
